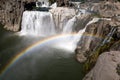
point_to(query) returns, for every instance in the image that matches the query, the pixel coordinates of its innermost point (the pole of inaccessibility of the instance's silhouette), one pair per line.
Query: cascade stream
(42, 50)
(42, 24)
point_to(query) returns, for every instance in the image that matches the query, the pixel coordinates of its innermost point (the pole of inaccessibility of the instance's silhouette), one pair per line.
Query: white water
(68, 28)
(37, 23)
(42, 24)
(54, 5)
(70, 43)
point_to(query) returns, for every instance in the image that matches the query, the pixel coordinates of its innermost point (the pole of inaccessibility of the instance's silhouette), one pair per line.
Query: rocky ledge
(101, 42)
(106, 68)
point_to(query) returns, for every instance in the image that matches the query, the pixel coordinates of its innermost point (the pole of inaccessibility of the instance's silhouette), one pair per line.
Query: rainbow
(41, 42)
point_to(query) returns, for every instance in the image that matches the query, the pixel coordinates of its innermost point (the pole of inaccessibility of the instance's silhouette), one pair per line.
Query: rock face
(92, 37)
(11, 12)
(103, 8)
(106, 68)
(99, 35)
(95, 33)
(62, 3)
(61, 16)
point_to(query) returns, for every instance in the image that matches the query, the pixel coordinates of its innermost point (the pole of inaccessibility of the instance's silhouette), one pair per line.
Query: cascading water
(69, 25)
(42, 24)
(38, 23)
(70, 43)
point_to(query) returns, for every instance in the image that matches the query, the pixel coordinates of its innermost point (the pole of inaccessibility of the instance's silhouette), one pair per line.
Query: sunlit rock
(106, 67)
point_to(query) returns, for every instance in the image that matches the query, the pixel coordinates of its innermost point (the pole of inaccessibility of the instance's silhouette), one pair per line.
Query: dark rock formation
(62, 3)
(11, 12)
(115, 46)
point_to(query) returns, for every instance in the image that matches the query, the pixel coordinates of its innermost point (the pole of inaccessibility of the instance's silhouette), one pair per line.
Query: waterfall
(54, 5)
(68, 28)
(42, 24)
(70, 43)
(38, 23)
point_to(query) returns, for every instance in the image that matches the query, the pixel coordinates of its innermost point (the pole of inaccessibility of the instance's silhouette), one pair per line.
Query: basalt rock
(108, 13)
(61, 15)
(106, 68)
(93, 36)
(11, 13)
(62, 3)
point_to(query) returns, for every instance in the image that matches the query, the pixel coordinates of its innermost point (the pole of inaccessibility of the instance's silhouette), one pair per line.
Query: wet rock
(93, 36)
(61, 15)
(118, 69)
(106, 68)
(115, 46)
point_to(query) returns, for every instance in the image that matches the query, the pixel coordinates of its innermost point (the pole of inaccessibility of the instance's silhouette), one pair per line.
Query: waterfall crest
(38, 23)
(43, 24)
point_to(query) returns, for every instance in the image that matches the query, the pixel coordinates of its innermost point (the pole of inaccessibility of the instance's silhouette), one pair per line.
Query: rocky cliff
(101, 38)
(106, 68)
(108, 15)
(11, 12)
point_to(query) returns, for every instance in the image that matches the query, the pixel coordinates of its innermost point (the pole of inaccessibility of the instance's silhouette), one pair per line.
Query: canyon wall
(95, 34)
(11, 12)
(99, 47)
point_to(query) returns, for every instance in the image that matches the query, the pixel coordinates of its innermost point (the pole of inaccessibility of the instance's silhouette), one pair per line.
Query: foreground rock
(106, 68)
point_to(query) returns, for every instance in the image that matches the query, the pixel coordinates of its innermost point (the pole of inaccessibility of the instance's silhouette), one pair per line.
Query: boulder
(106, 68)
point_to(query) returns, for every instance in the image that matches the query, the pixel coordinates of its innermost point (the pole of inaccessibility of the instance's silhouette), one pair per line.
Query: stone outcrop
(103, 8)
(106, 68)
(93, 36)
(11, 12)
(61, 16)
(101, 38)
(115, 46)
(62, 3)
(95, 33)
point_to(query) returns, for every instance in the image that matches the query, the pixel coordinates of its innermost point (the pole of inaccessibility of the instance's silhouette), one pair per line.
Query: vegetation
(52, 1)
(118, 69)
(104, 46)
(90, 63)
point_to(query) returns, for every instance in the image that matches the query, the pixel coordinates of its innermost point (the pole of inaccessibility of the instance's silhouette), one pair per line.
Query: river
(36, 58)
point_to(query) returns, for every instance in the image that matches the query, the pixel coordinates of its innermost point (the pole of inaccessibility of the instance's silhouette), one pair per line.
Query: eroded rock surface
(108, 14)
(61, 15)
(11, 13)
(106, 68)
